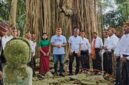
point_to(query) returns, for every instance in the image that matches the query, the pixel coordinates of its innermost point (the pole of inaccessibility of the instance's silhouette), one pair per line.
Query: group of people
(79, 48)
(109, 53)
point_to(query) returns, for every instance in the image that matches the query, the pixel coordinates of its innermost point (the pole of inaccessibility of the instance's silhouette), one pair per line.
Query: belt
(125, 55)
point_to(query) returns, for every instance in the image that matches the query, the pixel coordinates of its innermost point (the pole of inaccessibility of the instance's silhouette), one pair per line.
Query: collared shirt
(86, 45)
(99, 42)
(124, 45)
(58, 40)
(112, 42)
(106, 40)
(117, 49)
(75, 43)
(33, 47)
(5, 39)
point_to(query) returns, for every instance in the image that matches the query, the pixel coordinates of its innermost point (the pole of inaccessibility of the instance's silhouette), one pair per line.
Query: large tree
(47, 15)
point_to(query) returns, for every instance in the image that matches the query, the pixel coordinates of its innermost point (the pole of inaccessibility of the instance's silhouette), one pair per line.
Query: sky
(112, 6)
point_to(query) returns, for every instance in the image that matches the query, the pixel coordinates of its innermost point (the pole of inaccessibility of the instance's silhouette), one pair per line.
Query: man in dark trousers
(97, 45)
(123, 49)
(2, 30)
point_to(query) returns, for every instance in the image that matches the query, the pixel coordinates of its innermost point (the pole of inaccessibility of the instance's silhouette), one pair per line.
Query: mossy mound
(17, 51)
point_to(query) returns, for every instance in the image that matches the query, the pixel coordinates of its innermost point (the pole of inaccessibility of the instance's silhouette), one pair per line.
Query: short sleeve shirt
(75, 43)
(58, 40)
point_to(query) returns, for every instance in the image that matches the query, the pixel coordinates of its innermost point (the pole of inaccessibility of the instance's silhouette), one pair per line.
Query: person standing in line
(85, 52)
(123, 50)
(34, 44)
(112, 44)
(5, 38)
(44, 48)
(75, 47)
(29, 39)
(106, 53)
(58, 42)
(97, 45)
(118, 61)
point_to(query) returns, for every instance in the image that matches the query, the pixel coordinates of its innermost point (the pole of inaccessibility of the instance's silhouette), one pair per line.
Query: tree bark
(13, 13)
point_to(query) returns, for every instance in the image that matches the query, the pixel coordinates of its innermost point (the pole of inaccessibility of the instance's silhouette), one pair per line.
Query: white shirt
(5, 39)
(75, 43)
(124, 45)
(112, 42)
(86, 45)
(33, 47)
(117, 49)
(106, 40)
(99, 42)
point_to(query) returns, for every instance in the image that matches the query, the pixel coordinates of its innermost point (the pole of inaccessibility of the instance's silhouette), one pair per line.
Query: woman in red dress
(44, 46)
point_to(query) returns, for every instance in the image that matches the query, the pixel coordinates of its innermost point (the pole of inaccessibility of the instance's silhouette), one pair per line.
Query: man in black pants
(75, 43)
(85, 52)
(97, 45)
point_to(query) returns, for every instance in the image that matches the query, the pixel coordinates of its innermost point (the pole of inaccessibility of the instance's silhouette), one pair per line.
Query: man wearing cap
(58, 42)
(75, 43)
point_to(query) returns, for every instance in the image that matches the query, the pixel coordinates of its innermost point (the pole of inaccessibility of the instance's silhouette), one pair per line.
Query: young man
(124, 52)
(97, 45)
(118, 60)
(111, 46)
(106, 52)
(85, 52)
(75, 45)
(31, 63)
(33, 39)
(58, 42)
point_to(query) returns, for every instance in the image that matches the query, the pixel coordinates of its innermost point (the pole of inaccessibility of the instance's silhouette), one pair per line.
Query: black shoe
(61, 75)
(70, 74)
(55, 74)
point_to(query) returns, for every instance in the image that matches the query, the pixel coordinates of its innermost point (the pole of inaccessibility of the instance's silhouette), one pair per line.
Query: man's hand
(124, 59)
(79, 54)
(1, 75)
(70, 52)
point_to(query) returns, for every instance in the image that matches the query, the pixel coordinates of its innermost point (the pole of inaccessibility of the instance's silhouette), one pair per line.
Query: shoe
(62, 75)
(55, 74)
(70, 74)
(40, 76)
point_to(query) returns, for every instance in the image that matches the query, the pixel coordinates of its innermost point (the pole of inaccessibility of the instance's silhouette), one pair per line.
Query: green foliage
(5, 9)
(21, 16)
(117, 17)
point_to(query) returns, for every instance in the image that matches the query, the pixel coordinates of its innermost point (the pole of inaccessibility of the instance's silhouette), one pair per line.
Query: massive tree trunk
(13, 13)
(47, 15)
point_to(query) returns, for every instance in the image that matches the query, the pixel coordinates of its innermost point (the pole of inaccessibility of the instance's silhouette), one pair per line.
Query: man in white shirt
(58, 42)
(31, 63)
(117, 58)
(85, 52)
(112, 44)
(75, 43)
(106, 53)
(97, 45)
(124, 52)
